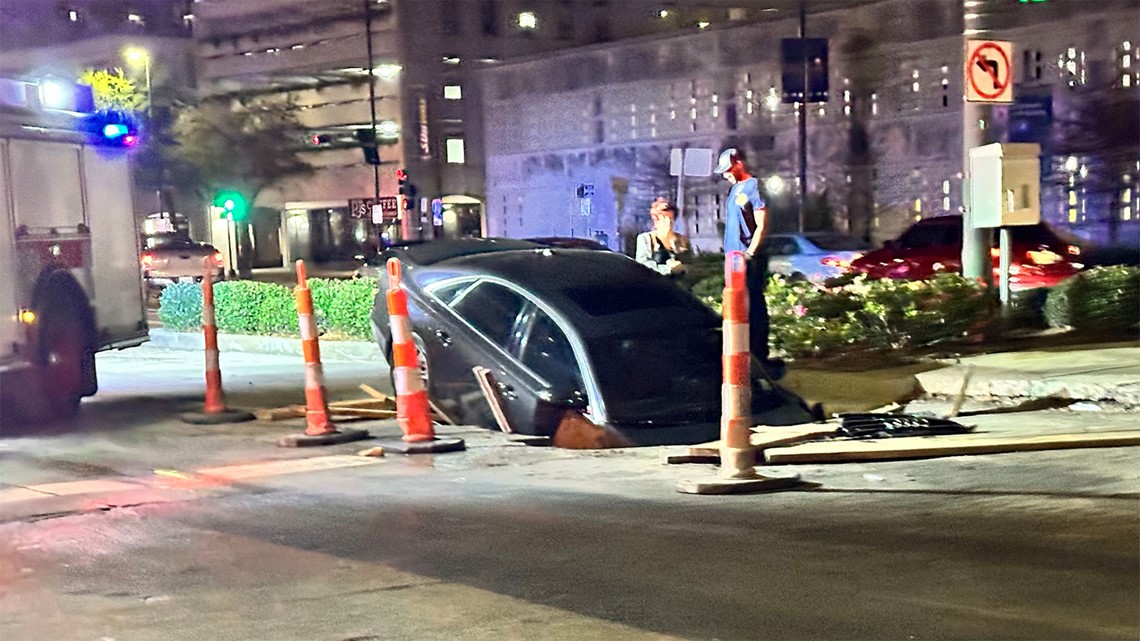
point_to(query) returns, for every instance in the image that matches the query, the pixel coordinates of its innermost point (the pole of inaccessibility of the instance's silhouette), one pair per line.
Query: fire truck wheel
(66, 357)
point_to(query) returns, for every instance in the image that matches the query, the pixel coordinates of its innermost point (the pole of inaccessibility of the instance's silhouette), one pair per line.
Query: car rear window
(618, 299)
(430, 253)
(838, 242)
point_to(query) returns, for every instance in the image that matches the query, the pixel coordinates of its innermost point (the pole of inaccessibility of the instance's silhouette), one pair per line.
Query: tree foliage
(113, 90)
(221, 144)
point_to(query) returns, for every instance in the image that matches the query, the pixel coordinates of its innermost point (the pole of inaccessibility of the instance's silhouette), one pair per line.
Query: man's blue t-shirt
(740, 218)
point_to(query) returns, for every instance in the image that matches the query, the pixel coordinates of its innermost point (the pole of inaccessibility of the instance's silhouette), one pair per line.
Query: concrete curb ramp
(276, 345)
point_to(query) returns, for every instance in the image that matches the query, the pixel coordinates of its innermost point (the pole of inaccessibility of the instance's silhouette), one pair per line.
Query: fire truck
(70, 282)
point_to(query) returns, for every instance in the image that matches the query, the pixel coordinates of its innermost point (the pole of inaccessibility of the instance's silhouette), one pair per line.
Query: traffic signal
(232, 205)
(367, 140)
(407, 189)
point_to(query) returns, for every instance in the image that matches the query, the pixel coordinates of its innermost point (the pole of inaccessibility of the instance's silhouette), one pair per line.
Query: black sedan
(567, 332)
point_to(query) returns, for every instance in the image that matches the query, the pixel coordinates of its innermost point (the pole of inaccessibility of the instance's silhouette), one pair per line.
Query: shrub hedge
(1099, 300)
(343, 307)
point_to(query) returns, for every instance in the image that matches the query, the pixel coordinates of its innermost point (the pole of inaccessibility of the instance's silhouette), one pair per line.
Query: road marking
(13, 494)
(293, 466)
(91, 486)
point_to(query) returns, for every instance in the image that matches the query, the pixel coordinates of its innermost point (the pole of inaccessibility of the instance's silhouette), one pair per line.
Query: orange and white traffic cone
(214, 410)
(737, 456)
(413, 411)
(319, 428)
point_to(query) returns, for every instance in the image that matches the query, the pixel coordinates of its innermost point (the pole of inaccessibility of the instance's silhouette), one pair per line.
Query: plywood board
(766, 437)
(936, 446)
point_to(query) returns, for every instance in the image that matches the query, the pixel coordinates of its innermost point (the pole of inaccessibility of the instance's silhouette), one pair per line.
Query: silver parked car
(815, 257)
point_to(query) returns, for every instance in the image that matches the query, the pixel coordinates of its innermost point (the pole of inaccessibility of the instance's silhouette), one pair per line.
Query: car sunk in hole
(568, 331)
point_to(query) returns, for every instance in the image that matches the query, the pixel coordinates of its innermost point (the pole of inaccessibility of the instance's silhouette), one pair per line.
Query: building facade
(578, 144)
(426, 60)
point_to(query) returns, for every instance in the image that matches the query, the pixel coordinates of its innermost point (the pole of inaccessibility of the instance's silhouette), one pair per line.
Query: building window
(527, 20)
(455, 151)
(135, 18)
(453, 92)
(73, 15)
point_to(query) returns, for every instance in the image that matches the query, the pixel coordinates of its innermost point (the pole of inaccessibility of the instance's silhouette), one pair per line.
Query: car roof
(601, 293)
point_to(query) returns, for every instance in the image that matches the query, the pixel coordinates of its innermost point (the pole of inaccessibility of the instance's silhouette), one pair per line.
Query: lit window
(135, 18)
(946, 203)
(1126, 61)
(527, 20)
(703, 24)
(914, 87)
(451, 60)
(945, 186)
(664, 13)
(188, 19)
(387, 71)
(453, 92)
(73, 15)
(918, 205)
(1126, 80)
(455, 151)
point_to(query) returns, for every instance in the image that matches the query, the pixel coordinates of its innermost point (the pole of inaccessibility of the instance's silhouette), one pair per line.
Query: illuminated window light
(1072, 214)
(456, 154)
(135, 18)
(1126, 80)
(664, 13)
(945, 186)
(918, 205)
(453, 92)
(914, 74)
(1127, 46)
(703, 24)
(1071, 163)
(73, 15)
(1126, 213)
(387, 71)
(527, 20)
(914, 87)
(945, 203)
(1072, 197)
(1126, 61)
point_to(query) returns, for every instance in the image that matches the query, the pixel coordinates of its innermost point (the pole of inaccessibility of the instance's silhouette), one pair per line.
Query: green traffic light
(232, 204)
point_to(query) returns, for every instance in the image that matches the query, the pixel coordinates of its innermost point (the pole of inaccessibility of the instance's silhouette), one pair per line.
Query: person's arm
(760, 214)
(644, 253)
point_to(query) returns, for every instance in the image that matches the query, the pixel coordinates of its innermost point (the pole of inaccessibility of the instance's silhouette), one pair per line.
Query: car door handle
(508, 391)
(444, 337)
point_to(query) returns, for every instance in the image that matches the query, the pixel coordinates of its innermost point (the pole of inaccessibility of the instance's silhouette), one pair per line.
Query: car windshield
(170, 242)
(838, 242)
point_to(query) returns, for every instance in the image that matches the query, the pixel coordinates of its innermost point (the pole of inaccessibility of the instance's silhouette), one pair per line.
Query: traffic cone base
(334, 437)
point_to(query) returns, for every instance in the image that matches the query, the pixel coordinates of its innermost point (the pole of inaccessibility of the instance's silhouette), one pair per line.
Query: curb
(989, 383)
(274, 345)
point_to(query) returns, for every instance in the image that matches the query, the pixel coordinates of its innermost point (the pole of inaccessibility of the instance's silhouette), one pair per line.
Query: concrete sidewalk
(1107, 373)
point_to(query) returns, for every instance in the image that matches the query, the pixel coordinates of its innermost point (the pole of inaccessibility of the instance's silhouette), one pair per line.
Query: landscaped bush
(251, 307)
(180, 307)
(809, 320)
(342, 307)
(1103, 300)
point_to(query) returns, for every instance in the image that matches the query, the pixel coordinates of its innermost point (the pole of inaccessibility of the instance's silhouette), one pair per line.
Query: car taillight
(835, 261)
(995, 252)
(147, 259)
(1042, 257)
(1073, 250)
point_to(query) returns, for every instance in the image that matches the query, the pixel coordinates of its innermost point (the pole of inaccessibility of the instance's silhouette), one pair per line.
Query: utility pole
(977, 130)
(803, 112)
(372, 118)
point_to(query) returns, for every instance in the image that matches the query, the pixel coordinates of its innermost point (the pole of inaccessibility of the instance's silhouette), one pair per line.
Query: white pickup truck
(173, 257)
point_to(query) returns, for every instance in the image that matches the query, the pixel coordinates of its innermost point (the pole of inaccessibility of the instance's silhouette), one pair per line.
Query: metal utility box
(1005, 185)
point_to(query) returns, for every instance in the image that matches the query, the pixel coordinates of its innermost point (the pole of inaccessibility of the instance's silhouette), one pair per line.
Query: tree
(113, 90)
(225, 145)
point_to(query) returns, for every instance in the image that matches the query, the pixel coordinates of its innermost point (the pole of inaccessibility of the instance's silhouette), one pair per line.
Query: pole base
(740, 486)
(332, 438)
(216, 418)
(435, 446)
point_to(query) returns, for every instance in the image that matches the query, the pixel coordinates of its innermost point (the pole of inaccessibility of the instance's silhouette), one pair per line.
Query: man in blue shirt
(746, 217)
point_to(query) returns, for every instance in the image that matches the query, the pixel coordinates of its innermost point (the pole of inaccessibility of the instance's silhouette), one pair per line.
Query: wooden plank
(486, 382)
(765, 437)
(936, 446)
(366, 403)
(362, 412)
(279, 413)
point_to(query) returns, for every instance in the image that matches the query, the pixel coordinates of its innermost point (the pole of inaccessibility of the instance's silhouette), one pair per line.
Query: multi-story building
(426, 57)
(883, 150)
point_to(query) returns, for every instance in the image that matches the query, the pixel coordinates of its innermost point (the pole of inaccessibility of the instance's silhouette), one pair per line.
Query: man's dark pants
(756, 280)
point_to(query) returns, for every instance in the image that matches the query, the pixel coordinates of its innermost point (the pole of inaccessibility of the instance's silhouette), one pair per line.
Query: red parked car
(934, 245)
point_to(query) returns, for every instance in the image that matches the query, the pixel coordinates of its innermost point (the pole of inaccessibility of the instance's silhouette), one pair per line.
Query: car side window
(778, 246)
(492, 310)
(448, 293)
(547, 352)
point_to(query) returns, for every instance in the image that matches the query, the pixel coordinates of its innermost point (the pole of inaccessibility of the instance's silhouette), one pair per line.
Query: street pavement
(128, 524)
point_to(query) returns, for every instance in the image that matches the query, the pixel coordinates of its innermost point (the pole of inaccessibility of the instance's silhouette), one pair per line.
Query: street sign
(365, 207)
(693, 161)
(989, 71)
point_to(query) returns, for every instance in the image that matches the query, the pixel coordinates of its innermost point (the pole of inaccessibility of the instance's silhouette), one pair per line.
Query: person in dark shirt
(746, 217)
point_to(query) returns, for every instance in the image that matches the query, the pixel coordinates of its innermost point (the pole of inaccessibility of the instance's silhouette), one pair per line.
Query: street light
(137, 56)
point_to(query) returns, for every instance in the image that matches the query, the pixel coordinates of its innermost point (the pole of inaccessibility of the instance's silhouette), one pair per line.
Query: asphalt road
(506, 541)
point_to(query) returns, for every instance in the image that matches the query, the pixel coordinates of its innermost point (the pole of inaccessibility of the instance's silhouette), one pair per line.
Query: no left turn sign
(989, 71)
